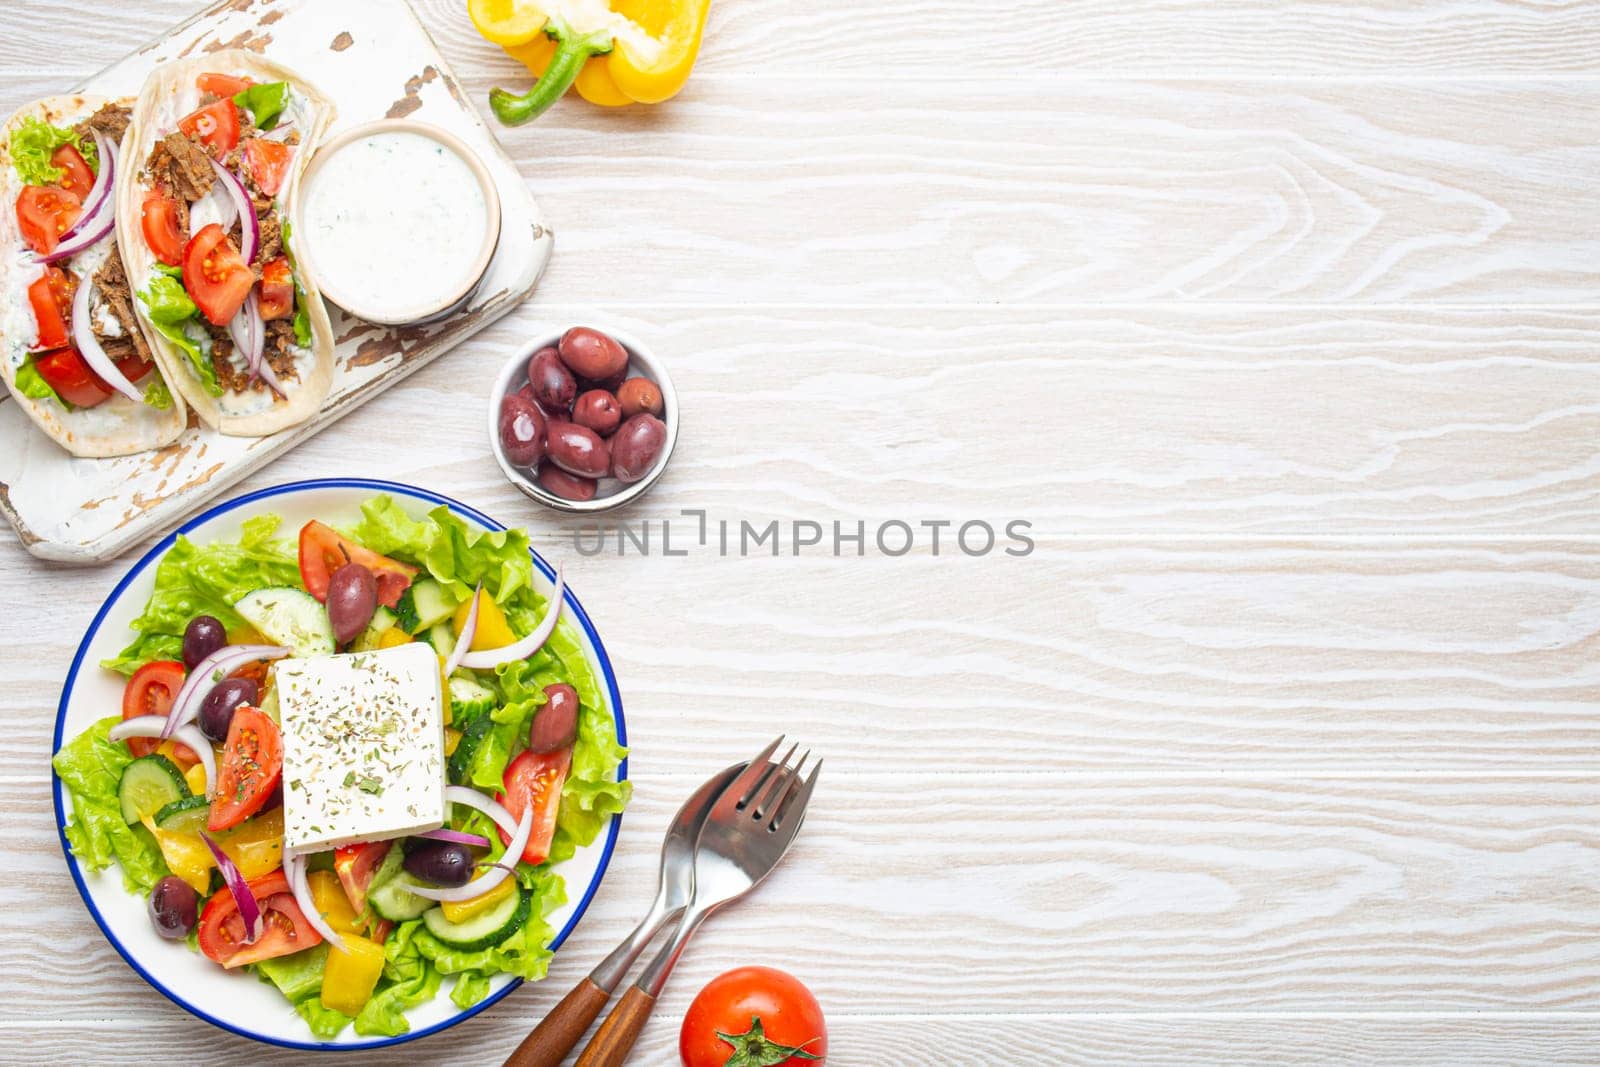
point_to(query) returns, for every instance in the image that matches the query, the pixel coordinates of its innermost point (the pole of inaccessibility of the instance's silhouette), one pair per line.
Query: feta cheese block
(363, 746)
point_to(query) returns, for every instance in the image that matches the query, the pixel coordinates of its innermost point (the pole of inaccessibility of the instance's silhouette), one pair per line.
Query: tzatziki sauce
(393, 223)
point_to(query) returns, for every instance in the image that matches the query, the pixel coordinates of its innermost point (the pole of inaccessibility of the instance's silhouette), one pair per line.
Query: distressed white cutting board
(376, 60)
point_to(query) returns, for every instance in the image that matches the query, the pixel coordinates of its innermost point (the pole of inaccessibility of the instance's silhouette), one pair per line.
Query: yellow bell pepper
(186, 855)
(351, 974)
(196, 777)
(444, 690)
(256, 847)
(329, 896)
(393, 637)
(452, 738)
(492, 630)
(619, 52)
(459, 911)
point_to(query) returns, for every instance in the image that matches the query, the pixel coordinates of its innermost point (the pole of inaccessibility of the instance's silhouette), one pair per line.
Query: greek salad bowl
(254, 962)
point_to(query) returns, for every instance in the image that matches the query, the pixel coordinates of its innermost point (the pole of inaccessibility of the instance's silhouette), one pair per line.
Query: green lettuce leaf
(302, 317)
(264, 102)
(35, 141)
(31, 383)
(408, 980)
(171, 312)
(325, 1023)
(157, 395)
(206, 580)
(524, 954)
(471, 987)
(90, 766)
(297, 975)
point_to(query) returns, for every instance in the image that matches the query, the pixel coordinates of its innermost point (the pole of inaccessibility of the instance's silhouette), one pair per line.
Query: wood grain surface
(1277, 323)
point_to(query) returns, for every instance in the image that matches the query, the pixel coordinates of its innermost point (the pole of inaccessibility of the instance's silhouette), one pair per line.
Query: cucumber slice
(149, 784)
(472, 735)
(390, 894)
(290, 617)
(468, 699)
(185, 816)
(431, 603)
(441, 637)
(383, 620)
(480, 931)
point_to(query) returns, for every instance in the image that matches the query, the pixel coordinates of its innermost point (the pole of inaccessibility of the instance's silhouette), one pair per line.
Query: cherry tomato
(222, 931)
(355, 865)
(534, 779)
(162, 231)
(151, 691)
(78, 177)
(215, 274)
(216, 125)
(222, 84)
(323, 551)
(252, 763)
(44, 213)
(760, 1011)
(268, 162)
(277, 289)
(50, 296)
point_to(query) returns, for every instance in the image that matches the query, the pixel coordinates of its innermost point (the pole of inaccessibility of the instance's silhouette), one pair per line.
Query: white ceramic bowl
(642, 363)
(242, 1003)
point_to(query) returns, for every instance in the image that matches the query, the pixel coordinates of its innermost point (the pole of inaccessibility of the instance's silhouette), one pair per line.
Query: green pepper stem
(572, 52)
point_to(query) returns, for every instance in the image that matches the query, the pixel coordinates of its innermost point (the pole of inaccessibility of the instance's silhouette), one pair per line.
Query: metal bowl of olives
(583, 421)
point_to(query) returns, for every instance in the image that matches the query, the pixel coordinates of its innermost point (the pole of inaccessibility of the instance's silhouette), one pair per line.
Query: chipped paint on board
(411, 100)
(343, 41)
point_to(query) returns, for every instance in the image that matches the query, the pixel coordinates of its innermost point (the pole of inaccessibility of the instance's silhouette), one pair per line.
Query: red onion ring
(153, 726)
(103, 181)
(208, 673)
(480, 886)
(255, 924)
(248, 333)
(249, 226)
(459, 837)
(91, 226)
(89, 345)
(294, 865)
(493, 657)
(464, 641)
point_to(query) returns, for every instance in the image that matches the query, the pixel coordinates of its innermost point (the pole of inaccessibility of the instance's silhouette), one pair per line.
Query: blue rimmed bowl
(241, 1003)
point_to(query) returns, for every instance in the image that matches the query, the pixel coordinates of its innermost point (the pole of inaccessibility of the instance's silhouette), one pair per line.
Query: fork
(750, 827)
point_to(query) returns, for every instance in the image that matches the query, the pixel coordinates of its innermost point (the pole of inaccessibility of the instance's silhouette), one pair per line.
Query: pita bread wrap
(116, 426)
(220, 387)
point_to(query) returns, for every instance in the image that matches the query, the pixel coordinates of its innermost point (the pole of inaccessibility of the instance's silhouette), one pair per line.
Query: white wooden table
(1279, 323)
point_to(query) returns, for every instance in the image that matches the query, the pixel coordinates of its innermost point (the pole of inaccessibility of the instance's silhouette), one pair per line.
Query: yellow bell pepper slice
(196, 777)
(393, 637)
(444, 690)
(351, 974)
(492, 631)
(329, 896)
(459, 911)
(452, 738)
(676, 26)
(256, 846)
(186, 855)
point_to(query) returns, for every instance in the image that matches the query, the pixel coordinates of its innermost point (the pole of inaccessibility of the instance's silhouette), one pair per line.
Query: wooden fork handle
(614, 1040)
(562, 1029)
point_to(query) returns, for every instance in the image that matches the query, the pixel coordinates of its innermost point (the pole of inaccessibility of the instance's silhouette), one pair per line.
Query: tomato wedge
(44, 213)
(252, 763)
(216, 125)
(277, 289)
(355, 865)
(50, 296)
(534, 780)
(323, 551)
(222, 84)
(216, 276)
(151, 691)
(268, 162)
(222, 931)
(162, 231)
(78, 177)
(66, 372)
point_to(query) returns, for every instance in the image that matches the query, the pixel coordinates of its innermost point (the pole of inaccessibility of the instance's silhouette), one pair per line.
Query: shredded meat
(183, 166)
(111, 284)
(279, 354)
(232, 378)
(111, 120)
(280, 349)
(271, 236)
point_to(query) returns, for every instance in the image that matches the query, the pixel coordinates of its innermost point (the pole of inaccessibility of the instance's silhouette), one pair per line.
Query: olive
(553, 385)
(610, 385)
(567, 486)
(640, 396)
(173, 907)
(577, 449)
(635, 446)
(440, 862)
(352, 598)
(592, 354)
(555, 725)
(203, 636)
(216, 710)
(598, 410)
(521, 430)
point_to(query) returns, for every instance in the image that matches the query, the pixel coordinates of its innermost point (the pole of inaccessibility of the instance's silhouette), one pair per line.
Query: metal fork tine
(781, 775)
(772, 768)
(795, 805)
(773, 801)
(743, 786)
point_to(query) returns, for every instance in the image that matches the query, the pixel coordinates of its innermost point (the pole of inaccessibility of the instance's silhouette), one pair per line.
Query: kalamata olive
(639, 396)
(216, 710)
(352, 598)
(203, 636)
(598, 410)
(440, 862)
(577, 449)
(567, 486)
(635, 446)
(592, 354)
(610, 385)
(553, 385)
(173, 907)
(521, 430)
(555, 724)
